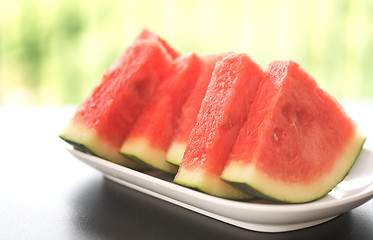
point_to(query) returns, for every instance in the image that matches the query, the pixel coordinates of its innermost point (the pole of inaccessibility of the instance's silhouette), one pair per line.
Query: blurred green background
(55, 51)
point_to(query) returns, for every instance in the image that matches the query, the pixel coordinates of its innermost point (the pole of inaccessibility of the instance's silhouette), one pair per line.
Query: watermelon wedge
(103, 120)
(146, 34)
(153, 132)
(224, 108)
(297, 144)
(190, 110)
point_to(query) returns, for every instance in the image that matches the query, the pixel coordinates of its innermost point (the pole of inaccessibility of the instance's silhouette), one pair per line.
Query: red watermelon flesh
(103, 120)
(190, 110)
(297, 144)
(117, 67)
(223, 112)
(153, 132)
(146, 34)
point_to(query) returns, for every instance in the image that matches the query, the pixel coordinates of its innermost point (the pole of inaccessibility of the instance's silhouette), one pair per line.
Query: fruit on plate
(190, 110)
(153, 132)
(223, 111)
(297, 144)
(146, 34)
(103, 120)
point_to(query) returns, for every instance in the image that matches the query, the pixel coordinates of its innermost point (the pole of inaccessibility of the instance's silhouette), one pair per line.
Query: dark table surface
(45, 193)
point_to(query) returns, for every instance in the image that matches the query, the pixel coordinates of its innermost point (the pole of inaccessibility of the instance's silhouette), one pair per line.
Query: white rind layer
(80, 134)
(141, 150)
(247, 175)
(213, 185)
(175, 153)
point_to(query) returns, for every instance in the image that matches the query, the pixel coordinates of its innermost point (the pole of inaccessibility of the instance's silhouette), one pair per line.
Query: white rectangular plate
(259, 215)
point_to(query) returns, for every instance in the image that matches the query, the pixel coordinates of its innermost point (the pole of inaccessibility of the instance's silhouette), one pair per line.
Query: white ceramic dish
(258, 215)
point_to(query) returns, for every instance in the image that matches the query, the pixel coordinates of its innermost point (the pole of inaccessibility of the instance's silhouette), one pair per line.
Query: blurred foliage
(54, 51)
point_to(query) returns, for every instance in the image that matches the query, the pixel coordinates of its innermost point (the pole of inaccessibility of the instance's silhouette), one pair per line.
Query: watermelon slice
(103, 120)
(146, 34)
(298, 142)
(223, 111)
(190, 110)
(153, 132)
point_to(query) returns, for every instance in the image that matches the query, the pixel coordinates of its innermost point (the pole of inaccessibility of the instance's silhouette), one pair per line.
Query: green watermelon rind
(86, 140)
(138, 160)
(83, 148)
(135, 158)
(79, 146)
(256, 191)
(141, 151)
(197, 180)
(175, 153)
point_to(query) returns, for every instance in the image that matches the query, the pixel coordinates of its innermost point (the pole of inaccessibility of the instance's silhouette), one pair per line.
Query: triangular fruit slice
(224, 109)
(190, 110)
(103, 120)
(298, 142)
(146, 34)
(153, 132)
